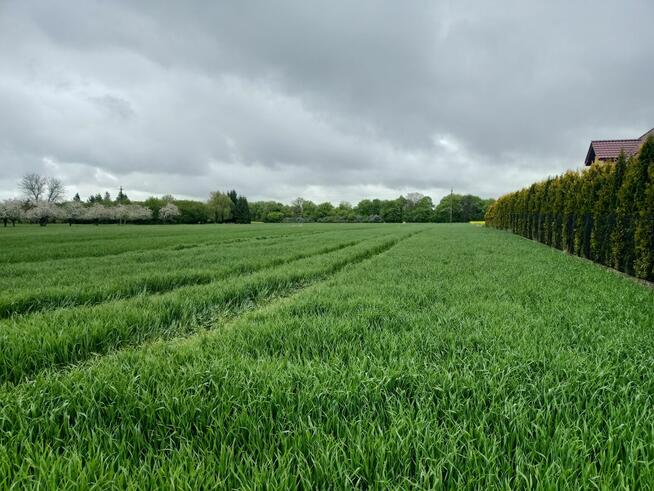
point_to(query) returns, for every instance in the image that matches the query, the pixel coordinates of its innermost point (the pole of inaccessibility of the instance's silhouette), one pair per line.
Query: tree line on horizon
(604, 213)
(413, 208)
(43, 203)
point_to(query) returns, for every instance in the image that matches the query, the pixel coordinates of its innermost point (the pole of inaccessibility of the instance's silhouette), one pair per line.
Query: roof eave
(589, 160)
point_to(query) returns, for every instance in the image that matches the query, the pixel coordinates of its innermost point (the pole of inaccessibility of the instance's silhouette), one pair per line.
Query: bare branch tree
(33, 186)
(55, 190)
(40, 188)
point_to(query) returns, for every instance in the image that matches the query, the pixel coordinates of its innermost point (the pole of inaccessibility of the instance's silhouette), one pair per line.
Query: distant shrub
(273, 217)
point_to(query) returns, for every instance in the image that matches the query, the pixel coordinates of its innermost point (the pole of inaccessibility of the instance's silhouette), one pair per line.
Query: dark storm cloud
(330, 100)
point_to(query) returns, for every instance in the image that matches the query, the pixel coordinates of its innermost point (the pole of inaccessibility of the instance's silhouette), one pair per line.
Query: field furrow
(32, 287)
(444, 362)
(419, 357)
(43, 246)
(65, 336)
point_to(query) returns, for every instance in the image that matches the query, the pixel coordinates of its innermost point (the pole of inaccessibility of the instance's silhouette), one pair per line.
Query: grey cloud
(114, 106)
(324, 99)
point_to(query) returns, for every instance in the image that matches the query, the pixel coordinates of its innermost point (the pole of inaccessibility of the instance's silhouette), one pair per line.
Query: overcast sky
(333, 100)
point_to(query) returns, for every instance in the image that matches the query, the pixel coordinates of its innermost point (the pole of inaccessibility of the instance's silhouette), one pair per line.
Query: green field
(318, 356)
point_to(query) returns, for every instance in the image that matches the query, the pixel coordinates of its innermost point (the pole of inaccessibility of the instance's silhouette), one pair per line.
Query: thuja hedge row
(604, 213)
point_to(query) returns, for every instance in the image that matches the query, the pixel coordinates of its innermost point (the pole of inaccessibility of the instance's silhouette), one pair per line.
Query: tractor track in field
(293, 290)
(34, 305)
(210, 321)
(172, 247)
(250, 298)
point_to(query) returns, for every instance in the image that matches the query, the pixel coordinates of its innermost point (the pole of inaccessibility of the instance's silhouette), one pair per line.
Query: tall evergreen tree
(121, 197)
(618, 221)
(569, 211)
(588, 198)
(601, 212)
(233, 196)
(557, 211)
(628, 196)
(530, 210)
(644, 209)
(242, 210)
(546, 211)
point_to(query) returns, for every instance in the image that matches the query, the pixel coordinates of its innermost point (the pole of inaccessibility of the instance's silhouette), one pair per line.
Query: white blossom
(97, 213)
(73, 210)
(44, 212)
(139, 213)
(122, 213)
(11, 210)
(168, 212)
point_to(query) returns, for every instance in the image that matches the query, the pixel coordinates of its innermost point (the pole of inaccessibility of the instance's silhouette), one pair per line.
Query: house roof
(649, 133)
(610, 149)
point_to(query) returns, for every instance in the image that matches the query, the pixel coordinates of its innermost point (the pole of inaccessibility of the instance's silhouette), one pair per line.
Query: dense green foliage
(230, 207)
(413, 208)
(604, 213)
(192, 211)
(376, 356)
(240, 208)
(463, 208)
(102, 209)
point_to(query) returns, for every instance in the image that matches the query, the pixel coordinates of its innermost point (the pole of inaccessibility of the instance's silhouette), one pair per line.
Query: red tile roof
(610, 149)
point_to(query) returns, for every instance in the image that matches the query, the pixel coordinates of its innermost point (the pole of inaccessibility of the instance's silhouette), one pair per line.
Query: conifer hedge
(604, 213)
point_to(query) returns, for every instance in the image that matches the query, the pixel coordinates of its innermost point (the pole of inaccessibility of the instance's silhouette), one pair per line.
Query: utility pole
(451, 203)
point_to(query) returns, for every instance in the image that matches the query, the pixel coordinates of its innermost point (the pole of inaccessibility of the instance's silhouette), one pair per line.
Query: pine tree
(524, 212)
(546, 212)
(617, 220)
(95, 198)
(511, 212)
(644, 210)
(623, 245)
(601, 211)
(516, 212)
(586, 201)
(557, 211)
(537, 216)
(530, 210)
(581, 213)
(242, 210)
(122, 198)
(233, 196)
(569, 210)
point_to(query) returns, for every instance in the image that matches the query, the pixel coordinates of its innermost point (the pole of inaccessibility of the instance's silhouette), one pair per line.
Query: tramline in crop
(426, 356)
